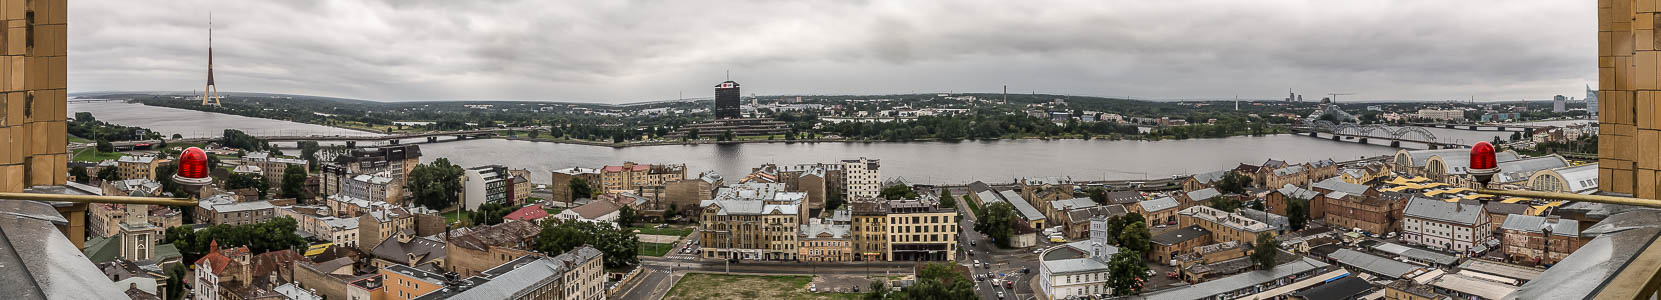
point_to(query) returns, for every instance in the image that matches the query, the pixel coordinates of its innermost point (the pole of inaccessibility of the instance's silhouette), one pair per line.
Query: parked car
(1009, 284)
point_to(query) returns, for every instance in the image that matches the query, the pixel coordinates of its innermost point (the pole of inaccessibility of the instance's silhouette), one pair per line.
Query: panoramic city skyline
(621, 53)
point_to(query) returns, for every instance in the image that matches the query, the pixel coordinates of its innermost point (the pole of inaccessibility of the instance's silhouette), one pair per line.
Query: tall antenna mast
(211, 93)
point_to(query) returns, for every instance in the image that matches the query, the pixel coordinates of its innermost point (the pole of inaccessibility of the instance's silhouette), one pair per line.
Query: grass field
(89, 154)
(76, 139)
(655, 249)
(671, 230)
(718, 286)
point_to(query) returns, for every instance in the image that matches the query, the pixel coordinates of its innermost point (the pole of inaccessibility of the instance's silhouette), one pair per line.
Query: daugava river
(919, 162)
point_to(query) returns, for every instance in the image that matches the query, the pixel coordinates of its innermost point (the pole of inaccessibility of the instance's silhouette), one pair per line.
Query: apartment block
(920, 230)
(862, 178)
(1224, 226)
(645, 180)
(137, 167)
(751, 222)
(561, 185)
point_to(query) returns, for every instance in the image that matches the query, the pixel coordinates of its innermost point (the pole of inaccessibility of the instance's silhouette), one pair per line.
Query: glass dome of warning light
(1482, 156)
(193, 164)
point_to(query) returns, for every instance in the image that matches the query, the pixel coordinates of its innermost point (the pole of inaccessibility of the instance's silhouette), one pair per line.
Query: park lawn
(973, 206)
(92, 155)
(671, 230)
(452, 216)
(719, 286)
(76, 139)
(655, 249)
(553, 210)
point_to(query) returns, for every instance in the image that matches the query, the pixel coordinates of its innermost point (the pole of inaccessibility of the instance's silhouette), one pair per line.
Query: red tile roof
(528, 213)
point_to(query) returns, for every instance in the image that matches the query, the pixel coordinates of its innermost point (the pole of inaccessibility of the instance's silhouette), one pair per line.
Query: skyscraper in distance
(726, 100)
(1591, 103)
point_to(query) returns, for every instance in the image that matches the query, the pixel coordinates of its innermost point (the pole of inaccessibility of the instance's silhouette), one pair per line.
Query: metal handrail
(99, 199)
(1575, 197)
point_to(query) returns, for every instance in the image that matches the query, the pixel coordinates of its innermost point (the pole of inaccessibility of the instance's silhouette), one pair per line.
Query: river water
(920, 162)
(194, 124)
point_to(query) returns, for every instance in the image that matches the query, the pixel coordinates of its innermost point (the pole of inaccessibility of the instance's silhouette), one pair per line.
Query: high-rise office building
(1591, 103)
(726, 100)
(1559, 104)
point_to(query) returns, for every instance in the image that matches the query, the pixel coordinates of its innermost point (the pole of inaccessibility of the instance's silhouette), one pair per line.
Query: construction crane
(1334, 96)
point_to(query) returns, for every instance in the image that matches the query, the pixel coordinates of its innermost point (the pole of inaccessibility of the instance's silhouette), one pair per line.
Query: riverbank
(752, 140)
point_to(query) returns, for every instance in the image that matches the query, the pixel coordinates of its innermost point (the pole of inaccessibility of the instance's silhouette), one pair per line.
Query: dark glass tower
(726, 100)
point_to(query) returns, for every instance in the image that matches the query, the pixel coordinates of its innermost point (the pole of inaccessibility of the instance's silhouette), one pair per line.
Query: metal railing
(99, 199)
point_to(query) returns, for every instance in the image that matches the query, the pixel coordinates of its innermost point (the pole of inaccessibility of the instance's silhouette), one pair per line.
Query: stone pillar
(32, 93)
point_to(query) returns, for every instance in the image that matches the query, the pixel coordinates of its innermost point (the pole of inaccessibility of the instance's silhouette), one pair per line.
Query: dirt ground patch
(744, 287)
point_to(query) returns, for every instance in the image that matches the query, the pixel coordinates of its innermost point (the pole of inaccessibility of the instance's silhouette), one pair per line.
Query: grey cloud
(623, 51)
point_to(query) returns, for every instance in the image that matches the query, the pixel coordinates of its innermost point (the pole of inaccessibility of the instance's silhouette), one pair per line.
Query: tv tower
(211, 93)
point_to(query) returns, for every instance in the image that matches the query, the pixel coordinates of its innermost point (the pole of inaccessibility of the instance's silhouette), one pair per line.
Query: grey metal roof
(1209, 177)
(1465, 213)
(1124, 197)
(1292, 191)
(1240, 281)
(1372, 263)
(525, 278)
(1021, 206)
(1501, 269)
(1580, 275)
(1180, 235)
(1203, 194)
(1521, 169)
(1274, 220)
(1075, 203)
(1416, 253)
(1337, 184)
(1289, 170)
(1159, 204)
(1074, 266)
(988, 197)
(1533, 224)
(1581, 179)
(1459, 162)
(1344, 288)
(814, 229)
(38, 262)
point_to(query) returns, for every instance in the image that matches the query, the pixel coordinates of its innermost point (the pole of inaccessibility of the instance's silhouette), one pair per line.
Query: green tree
(275, 234)
(490, 213)
(1234, 183)
(80, 173)
(294, 182)
(108, 174)
(937, 281)
(176, 281)
(946, 200)
(1224, 203)
(626, 217)
(1126, 272)
(105, 146)
(1135, 236)
(997, 223)
(620, 246)
(1097, 194)
(833, 200)
(579, 189)
(1264, 251)
(896, 192)
(436, 185)
(242, 181)
(1297, 213)
(669, 214)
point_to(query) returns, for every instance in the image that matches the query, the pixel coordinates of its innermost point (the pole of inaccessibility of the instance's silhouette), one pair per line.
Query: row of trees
(86, 126)
(619, 245)
(275, 234)
(934, 281)
(436, 185)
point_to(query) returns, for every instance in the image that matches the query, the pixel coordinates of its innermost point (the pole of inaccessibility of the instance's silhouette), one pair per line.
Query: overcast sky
(628, 51)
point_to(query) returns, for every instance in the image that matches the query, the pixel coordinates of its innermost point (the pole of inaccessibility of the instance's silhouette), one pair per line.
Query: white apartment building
(1445, 225)
(862, 178)
(1442, 114)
